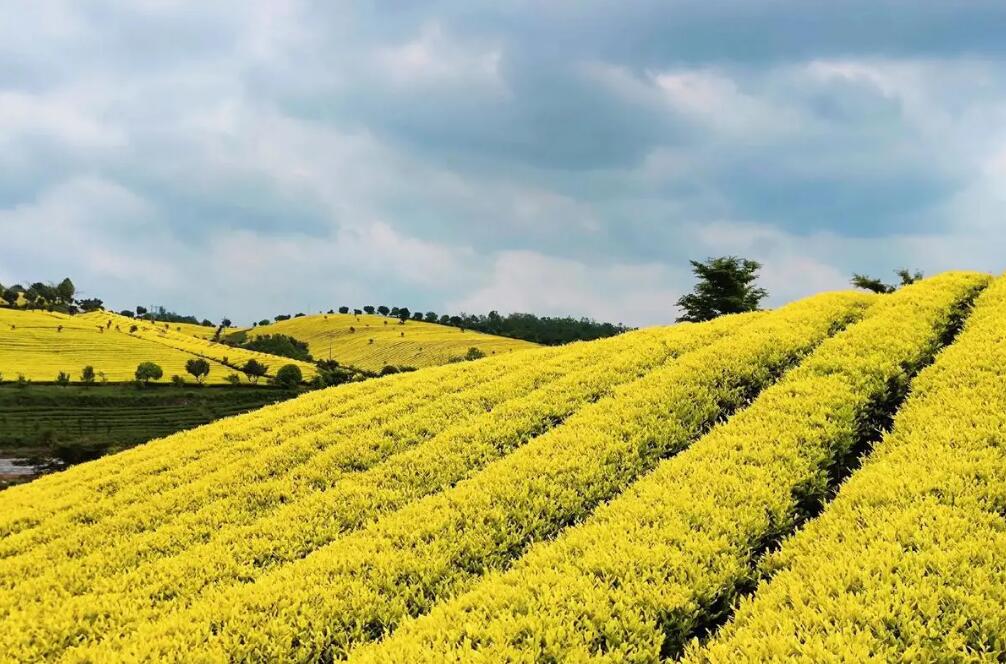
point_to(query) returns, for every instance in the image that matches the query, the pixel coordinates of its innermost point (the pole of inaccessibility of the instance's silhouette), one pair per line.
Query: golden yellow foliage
(639, 577)
(362, 583)
(906, 564)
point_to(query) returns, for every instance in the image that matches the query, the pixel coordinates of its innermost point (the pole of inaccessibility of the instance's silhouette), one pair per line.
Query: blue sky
(252, 158)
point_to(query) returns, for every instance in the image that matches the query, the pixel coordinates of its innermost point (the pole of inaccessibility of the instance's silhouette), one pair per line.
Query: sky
(250, 158)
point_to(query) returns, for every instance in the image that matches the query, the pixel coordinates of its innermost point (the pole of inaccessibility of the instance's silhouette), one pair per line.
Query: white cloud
(715, 100)
(58, 116)
(528, 281)
(92, 229)
(433, 58)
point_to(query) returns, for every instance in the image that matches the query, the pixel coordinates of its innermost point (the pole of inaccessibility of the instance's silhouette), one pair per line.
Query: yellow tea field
(821, 482)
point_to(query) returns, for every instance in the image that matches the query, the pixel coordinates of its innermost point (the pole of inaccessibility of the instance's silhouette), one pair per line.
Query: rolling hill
(40, 344)
(822, 482)
(370, 342)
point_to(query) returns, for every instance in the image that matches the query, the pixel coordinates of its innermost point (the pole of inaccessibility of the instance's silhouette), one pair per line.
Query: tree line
(546, 330)
(59, 297)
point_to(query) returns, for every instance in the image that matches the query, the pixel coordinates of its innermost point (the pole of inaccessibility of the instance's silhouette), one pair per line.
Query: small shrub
(233, 379)
(22, 382)
(474, 354)
(289, 376)
(177, 381)
(87, 375)
(63, 378)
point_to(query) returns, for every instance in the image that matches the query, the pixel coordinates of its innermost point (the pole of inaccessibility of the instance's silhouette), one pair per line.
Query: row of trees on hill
(162, 315)
(288, 376)
(48, 296)
(530, 327)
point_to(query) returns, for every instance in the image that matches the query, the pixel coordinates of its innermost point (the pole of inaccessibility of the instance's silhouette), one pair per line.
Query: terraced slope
(610, 501)
(142, 539)
(371, 342)
(39, 345)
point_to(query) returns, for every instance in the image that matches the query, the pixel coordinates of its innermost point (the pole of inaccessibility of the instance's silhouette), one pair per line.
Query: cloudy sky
(254, 157)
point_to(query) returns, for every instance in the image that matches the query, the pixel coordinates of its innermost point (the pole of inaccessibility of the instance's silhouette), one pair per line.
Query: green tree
(177, 381)
(63, 378)
(65, 290)
(383, 310)
(199, 368)
(404, 314)
(289, 376)
(141, 311)
(726, 285)
(233, 379)
(87, 375)
(369, 309)
(148, 371)
(431, 317)
(905, 276)
(871, 284)
(908, 278)
(11, 294)
(254, 370)
(280, 344)
(474, 354)
(343, 310)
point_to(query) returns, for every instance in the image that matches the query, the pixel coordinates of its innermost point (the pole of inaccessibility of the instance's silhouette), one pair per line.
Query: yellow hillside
(370, 342)
(199, 331)
(199, 346)
(39, 345)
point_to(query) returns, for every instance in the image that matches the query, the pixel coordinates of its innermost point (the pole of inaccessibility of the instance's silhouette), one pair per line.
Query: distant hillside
(370, 342)
(39, 344)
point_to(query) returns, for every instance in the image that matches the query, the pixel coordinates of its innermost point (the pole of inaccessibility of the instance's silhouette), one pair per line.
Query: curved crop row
(243, 548)
(635, 581)
(189, 455)
(351, 443)
(362, 585)
(906, 563)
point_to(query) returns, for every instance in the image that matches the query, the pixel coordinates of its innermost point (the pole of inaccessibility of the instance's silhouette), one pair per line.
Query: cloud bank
(245, 159)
